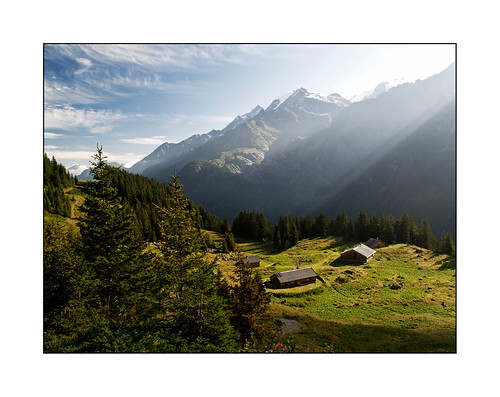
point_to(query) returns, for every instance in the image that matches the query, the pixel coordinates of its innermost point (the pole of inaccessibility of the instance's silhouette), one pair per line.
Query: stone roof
(296, 274)
(372, 241)
(363, 250)
(251, 259)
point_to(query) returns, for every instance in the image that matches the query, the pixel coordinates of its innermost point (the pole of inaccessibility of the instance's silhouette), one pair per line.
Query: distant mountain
(77, 169)
(417, 177)
(85, 174)
(379, 89)
(307, 153)
(247, 139)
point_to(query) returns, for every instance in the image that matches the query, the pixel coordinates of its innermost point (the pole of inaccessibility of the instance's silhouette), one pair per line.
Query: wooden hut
(361, 254)
(292, 278)
(374, 243)
(251, 261)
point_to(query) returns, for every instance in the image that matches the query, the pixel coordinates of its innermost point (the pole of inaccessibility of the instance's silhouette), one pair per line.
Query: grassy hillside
(354, 309)
(76, 196)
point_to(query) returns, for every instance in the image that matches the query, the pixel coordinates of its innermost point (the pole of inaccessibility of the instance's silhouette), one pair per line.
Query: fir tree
(425, 237)
(249, 303)
(446, 245)
(387, 228)
(187, 284)
(362, 227)
(320, 225)
(342, 225)
(110, 243)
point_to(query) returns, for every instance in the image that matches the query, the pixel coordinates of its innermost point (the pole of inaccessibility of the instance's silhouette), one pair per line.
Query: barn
(375, 243)
(251, 261)
(361, 253)
(292, 278)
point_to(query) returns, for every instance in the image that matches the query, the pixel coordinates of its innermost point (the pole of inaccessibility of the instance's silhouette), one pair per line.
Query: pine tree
(60, 269)
(249, 303)
(446, 245)
(187, 284)
(362, 227)
(342, 226)
(306, 226)
(405, 229)
(425, 237)
(374, 227)
(387, 228)
(110, 243)
(320, 225)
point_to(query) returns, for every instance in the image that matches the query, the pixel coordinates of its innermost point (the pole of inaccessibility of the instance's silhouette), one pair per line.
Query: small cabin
(374, 243)
(361, 254)
(251, 261)
(293, 278)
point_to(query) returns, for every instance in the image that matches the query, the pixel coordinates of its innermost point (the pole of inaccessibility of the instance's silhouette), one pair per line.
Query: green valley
(354, 309)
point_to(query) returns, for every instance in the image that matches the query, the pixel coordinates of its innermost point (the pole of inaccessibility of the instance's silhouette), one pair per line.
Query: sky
(131, 98)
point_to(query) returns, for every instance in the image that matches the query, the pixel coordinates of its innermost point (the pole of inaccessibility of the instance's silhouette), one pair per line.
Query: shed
(251, 261)
(375, 243)
(361, 253)
(292, 278)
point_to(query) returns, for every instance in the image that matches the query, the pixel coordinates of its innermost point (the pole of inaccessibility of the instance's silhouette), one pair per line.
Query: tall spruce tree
(425, 237)
(387, 228)
(342, 225)
(186, 283)
(249, 303)
(110, 243)
(446, 245)
(362, 227)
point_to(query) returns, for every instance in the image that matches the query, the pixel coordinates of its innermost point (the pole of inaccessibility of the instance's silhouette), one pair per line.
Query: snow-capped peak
(254, 112)
(379, 89)
(338, 99)
(77, 169)
(279, 101)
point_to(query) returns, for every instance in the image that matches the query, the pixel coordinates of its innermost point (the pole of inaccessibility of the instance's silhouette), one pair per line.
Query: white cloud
(83, 157)
(51, 135)
(157, 56)
(95, 121)
(86, 63)
(56, 92)
(145, 141)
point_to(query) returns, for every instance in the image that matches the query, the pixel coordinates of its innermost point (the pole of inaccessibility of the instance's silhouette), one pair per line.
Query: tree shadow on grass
(266, 248)
(446, 264)
(341, 262)
(342, 338)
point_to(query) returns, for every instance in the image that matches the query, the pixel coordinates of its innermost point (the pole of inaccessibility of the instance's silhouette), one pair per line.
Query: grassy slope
(356, 311)
(75, 194)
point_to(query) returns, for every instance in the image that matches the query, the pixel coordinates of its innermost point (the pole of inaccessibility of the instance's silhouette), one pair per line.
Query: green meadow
(353, 308)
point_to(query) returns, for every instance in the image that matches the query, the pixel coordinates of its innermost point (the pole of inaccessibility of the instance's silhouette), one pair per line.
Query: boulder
(395, 286)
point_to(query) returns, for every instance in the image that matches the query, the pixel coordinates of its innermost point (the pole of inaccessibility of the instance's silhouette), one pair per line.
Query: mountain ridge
(296, 155)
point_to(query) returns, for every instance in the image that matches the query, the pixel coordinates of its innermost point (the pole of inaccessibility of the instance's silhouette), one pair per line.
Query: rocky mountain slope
(307, 153)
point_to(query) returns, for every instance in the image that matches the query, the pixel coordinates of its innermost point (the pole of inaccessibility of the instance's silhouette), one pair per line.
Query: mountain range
(391, 151)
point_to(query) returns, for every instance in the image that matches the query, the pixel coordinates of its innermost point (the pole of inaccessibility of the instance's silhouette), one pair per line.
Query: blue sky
(132, 98)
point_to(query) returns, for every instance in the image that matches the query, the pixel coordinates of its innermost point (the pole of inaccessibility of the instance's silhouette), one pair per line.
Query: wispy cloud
(95, 121)
(51, 135)
(72, 157)
(57, 92)
(157, 56)
(86, 64)
(146, 141)
(198, 119)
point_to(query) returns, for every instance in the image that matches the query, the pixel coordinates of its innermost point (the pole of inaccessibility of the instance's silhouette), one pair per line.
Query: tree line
(106, 290)
(55, 180)
(289, 230)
